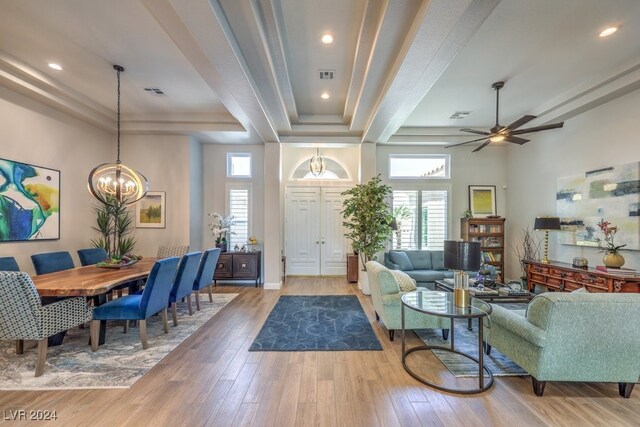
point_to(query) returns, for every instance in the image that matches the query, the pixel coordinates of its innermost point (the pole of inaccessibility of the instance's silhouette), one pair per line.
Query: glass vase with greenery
(367, 218)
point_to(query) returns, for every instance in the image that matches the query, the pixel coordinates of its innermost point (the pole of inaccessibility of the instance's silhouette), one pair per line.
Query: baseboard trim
(273, 286)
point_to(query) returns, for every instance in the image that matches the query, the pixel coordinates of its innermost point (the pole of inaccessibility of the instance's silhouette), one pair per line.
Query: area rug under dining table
(316, 323)
(119, 363)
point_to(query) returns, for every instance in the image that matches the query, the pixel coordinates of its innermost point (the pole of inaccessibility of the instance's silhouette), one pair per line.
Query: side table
(439, 303)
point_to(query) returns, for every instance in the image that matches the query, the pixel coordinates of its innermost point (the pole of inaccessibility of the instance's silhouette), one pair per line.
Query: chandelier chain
(118, 117)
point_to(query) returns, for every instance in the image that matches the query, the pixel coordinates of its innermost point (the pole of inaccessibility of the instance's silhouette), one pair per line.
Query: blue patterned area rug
(467, 342)
(316, 323)
(119, 363)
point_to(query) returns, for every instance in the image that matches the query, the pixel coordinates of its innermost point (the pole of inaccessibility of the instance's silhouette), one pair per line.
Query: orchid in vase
(612, 256)
(220, 227)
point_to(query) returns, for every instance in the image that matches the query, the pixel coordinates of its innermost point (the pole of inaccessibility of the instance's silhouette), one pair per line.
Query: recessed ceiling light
(324, 95)
(327, 38)
(55, 66)
(608, 31)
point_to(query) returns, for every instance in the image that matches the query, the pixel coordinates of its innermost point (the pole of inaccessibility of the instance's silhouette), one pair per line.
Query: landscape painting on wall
(29, 202)
(611, 193)
(150, 211)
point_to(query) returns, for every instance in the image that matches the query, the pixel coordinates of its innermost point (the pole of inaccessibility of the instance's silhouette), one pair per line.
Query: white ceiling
(245, 71)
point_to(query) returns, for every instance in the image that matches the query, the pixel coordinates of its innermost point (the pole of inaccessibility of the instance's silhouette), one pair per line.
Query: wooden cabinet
(239, 266)
(352, 268)
(558, 276)
(490, 233)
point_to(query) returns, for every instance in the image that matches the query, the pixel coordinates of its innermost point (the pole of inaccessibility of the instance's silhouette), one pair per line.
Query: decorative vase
(222, 246)
(613, 260)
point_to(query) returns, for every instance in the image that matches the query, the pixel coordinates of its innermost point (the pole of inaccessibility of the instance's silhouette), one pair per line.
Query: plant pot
(613, 260)
(223, 246)
(363, 282)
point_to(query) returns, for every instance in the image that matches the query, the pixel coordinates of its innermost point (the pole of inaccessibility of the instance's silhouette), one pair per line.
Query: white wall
(486, 167)
(196, 203)
(164, 160)
(31, 132)
(604, 136)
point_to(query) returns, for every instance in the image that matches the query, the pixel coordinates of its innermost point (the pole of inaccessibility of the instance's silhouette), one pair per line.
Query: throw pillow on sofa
(401, 260)
(405, 283)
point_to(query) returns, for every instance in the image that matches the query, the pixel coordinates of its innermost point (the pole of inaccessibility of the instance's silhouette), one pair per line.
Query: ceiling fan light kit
(509, 133)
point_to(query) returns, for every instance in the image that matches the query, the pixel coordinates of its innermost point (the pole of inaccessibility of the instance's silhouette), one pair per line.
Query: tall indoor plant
(367, 218)
(115, 224)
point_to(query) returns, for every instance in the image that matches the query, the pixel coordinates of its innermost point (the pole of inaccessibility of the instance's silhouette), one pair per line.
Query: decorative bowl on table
(116, 263)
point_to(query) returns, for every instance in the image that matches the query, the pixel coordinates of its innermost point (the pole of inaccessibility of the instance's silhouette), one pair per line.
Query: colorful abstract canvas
(29, 202)
(611, 193)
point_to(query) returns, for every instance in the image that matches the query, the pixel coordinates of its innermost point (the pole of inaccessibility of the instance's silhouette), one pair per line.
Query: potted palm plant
(367, 218)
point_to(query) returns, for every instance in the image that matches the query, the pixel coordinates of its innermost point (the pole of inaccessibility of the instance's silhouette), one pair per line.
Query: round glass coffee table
(438, 303)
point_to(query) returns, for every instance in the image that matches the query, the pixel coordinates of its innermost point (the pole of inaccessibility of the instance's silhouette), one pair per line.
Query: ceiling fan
(505, 133)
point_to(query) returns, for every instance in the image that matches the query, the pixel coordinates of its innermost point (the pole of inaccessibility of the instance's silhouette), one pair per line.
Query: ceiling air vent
(327, 74)
(460, 115)
(154, 91)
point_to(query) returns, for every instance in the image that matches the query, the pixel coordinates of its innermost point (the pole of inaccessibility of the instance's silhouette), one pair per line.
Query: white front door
(314, 234)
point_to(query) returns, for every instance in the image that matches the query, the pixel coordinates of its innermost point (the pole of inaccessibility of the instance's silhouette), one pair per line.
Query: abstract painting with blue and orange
(29, 202)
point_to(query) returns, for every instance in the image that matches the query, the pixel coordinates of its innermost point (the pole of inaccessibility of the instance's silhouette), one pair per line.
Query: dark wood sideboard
(239, 266)
(560, 276)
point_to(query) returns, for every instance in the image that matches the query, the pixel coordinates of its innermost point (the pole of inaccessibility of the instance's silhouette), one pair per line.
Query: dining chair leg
(94, 330)
(42, 356)
(119, 292)
(210, 293)
(189, 305)
(198, 300)
(165, 321)
(143, 333)
(19, 346)
(174, 313)
(125, 328)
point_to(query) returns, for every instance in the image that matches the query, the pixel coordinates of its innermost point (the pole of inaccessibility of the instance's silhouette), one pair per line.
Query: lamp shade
(462, 255)
(547, 223)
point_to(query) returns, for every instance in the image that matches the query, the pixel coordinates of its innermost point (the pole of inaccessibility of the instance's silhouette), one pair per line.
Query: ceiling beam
(200, 30)
(436, 37)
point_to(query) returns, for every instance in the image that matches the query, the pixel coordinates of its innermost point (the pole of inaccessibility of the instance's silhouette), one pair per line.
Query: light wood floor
(211, 379)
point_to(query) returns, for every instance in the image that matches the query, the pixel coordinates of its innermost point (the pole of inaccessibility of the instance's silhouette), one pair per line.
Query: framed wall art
(151, 210)
(482, 200)
(29, 202)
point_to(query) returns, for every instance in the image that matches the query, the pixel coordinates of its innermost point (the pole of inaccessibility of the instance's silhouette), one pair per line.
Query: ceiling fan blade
(515, 139)
(467, 142)
(479, 132)
(538, 128)
(521, 121)
(482, 146)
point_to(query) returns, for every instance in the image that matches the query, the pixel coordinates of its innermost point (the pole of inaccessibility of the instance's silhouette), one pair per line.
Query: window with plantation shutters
(238, 202)
(422, 219)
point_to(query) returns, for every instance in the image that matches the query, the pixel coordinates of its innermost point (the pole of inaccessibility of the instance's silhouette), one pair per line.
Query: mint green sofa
(425, 267)
(386, 294)
(572, 337)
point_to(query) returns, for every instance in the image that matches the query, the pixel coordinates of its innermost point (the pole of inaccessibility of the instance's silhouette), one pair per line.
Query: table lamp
(546, 224)
(461, 257)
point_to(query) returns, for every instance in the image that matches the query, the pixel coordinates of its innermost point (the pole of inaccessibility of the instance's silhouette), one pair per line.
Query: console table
(239, 266)
(560, 276)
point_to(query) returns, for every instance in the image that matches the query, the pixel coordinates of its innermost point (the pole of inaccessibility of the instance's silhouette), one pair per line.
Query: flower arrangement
(220, 226)
(609, 231)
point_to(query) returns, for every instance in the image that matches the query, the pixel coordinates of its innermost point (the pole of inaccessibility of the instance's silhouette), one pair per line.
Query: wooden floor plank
(212, 379)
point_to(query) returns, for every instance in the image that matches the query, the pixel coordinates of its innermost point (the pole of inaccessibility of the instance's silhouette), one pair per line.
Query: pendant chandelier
(114, 183)
(317, 165)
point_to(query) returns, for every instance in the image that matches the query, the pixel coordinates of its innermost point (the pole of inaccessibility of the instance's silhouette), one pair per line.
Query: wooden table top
(89, 281)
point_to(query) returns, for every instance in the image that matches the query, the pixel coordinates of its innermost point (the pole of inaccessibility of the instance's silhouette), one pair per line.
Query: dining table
(90, 282)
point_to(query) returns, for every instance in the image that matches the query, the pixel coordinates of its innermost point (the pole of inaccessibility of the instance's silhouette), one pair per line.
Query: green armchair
(386, 294)
(572, 337)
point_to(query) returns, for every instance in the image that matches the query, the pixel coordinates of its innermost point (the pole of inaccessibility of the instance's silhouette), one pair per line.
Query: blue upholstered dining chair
(23, 317)
(183, 283)
(92, 256)
(154, 299)
(51, 262)
(204, 278)
(8, 263)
